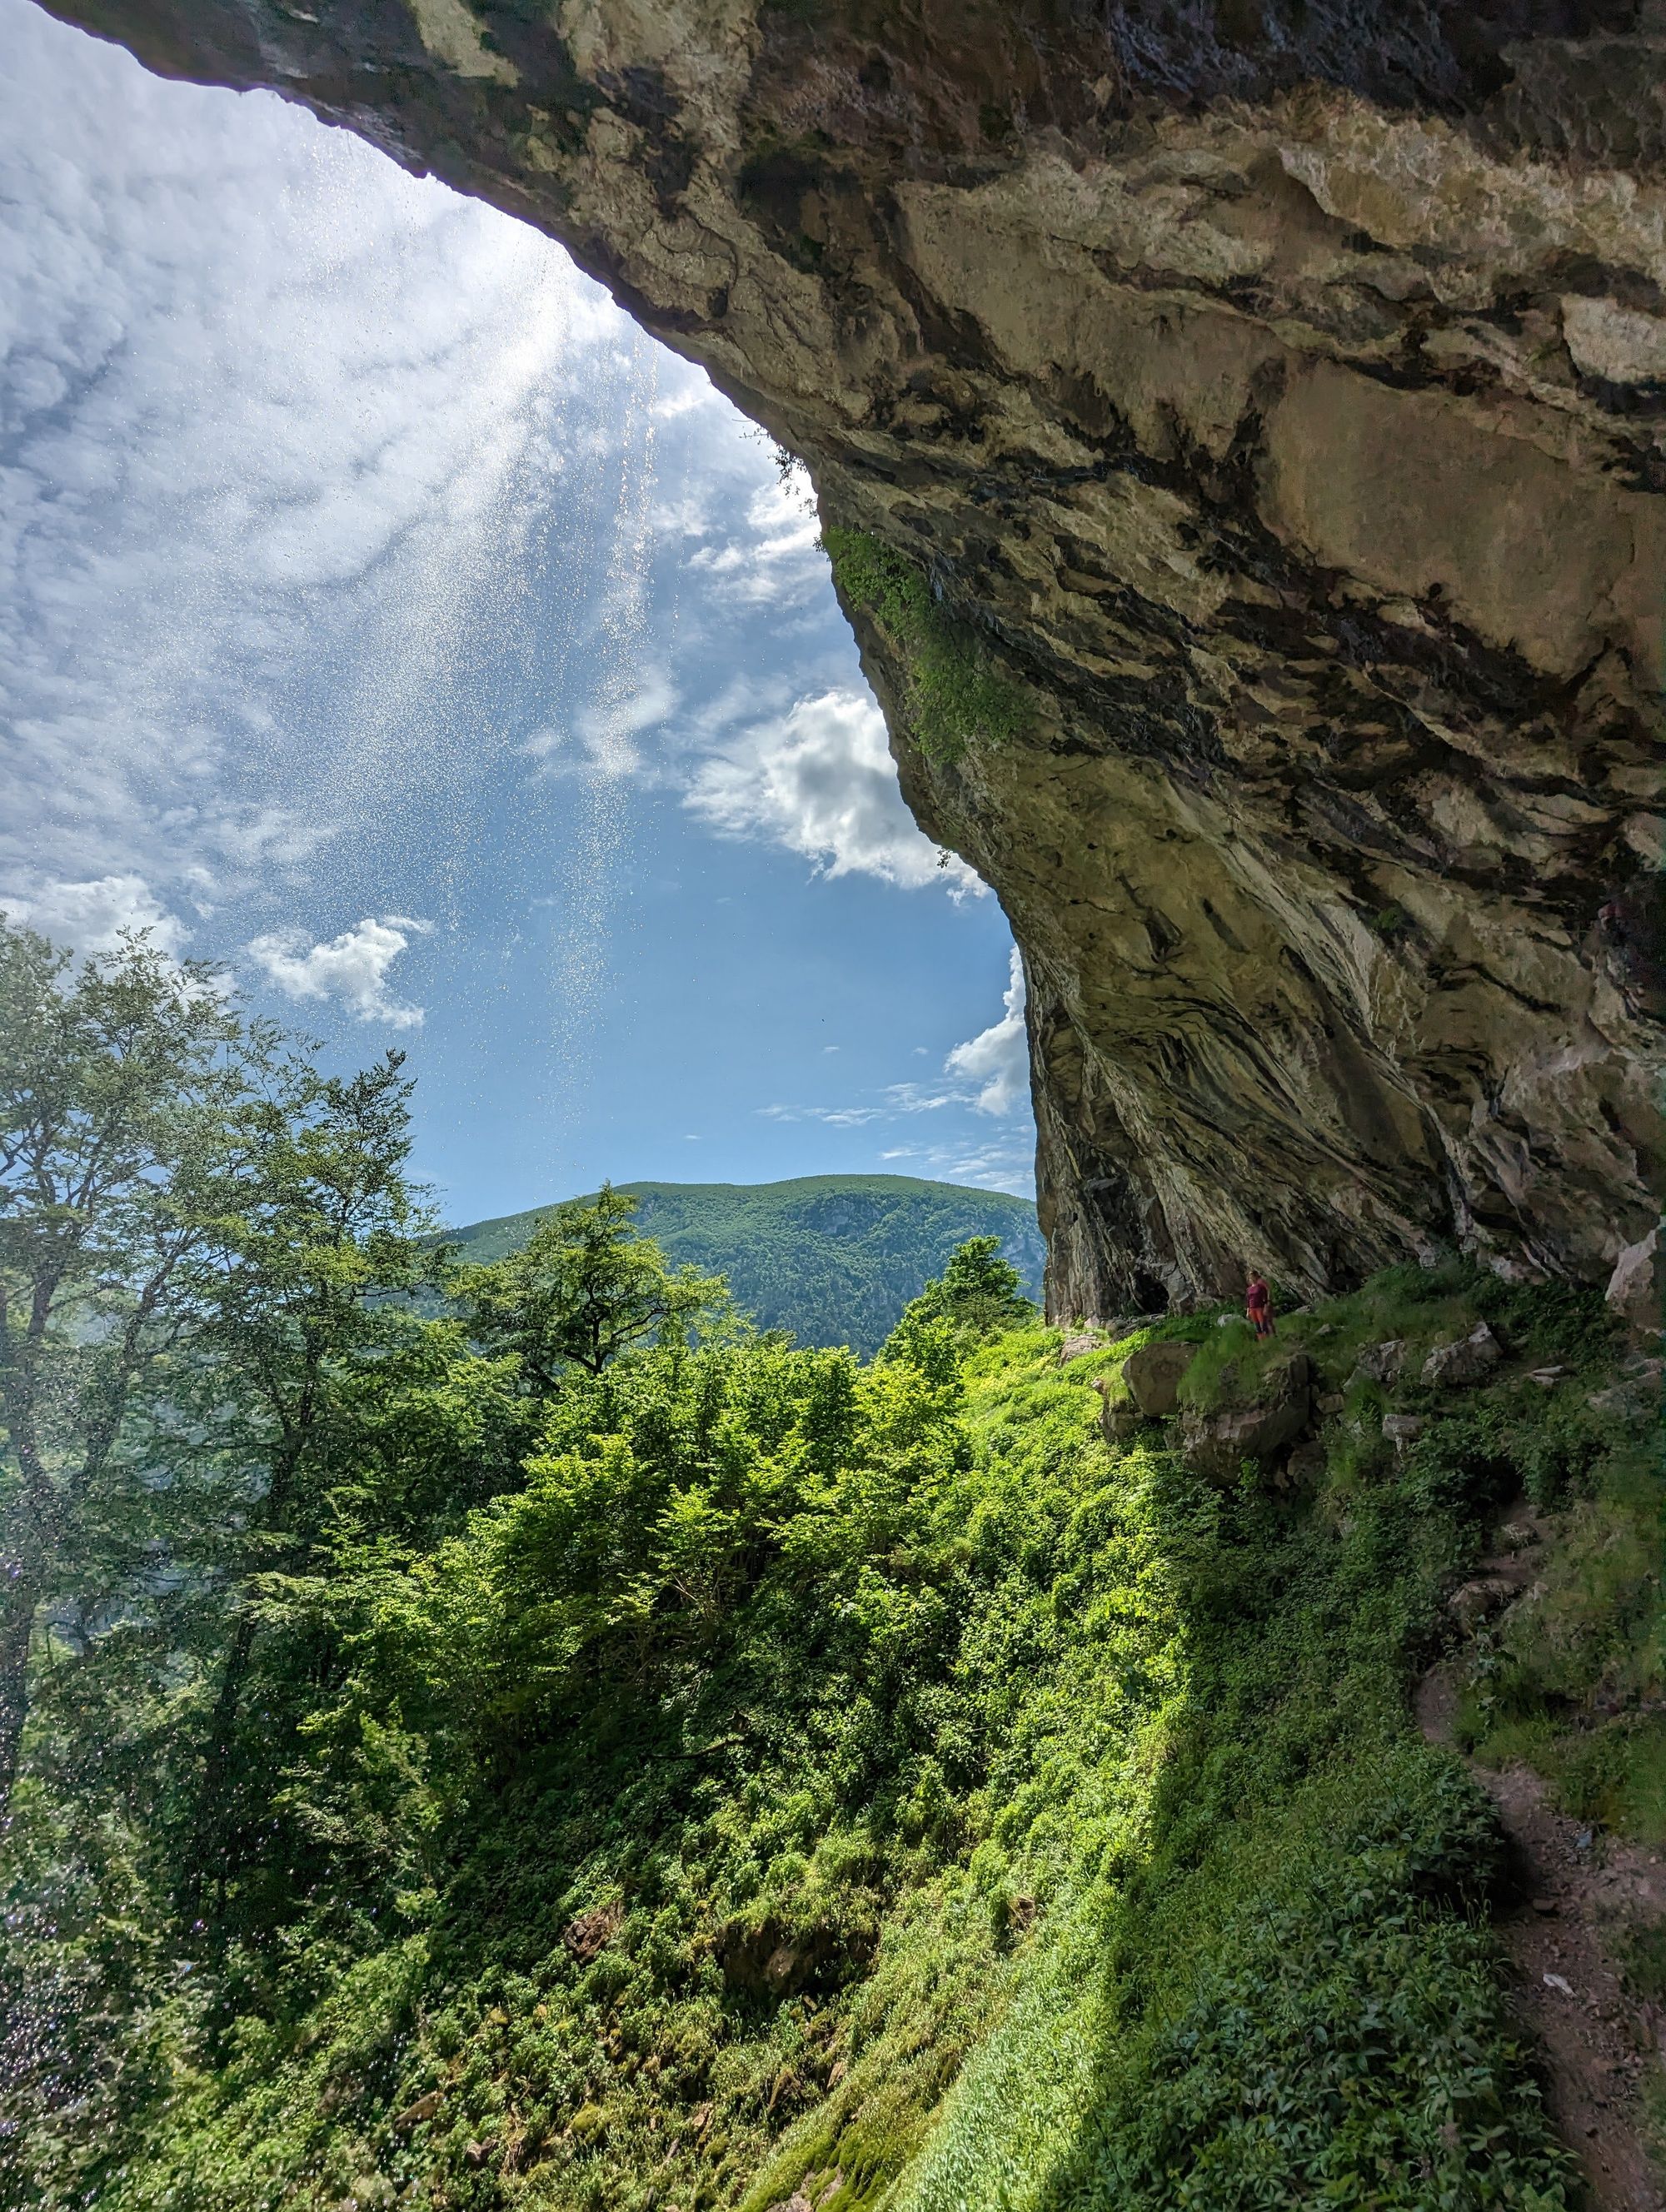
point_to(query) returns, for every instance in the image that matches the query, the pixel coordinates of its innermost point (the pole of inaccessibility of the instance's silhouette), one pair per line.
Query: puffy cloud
(820, 780)
(91, 917)
(352, 968)
(988, 1075)
(777, 556)
(997, 1060)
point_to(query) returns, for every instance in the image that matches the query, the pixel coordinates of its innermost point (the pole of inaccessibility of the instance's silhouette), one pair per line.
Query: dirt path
(1574, 1893)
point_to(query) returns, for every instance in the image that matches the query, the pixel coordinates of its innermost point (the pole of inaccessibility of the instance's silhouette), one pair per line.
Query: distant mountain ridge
(833, 1258)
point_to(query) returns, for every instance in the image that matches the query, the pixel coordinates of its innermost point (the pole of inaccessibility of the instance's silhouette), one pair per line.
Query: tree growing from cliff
(585, 1288)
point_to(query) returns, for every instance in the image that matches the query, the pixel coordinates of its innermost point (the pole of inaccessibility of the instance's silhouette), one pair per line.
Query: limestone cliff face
(1275, 390)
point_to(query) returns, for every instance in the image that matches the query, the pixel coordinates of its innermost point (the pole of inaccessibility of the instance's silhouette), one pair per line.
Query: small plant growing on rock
(955, 695)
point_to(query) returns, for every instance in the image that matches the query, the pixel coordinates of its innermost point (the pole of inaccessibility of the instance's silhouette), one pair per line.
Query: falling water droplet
(620, 704)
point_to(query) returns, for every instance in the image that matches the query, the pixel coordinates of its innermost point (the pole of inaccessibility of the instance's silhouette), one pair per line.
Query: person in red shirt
(1258, 1306)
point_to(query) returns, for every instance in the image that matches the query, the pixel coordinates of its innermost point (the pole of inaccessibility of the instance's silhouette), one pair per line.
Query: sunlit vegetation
(581, 1752)
(956, 696)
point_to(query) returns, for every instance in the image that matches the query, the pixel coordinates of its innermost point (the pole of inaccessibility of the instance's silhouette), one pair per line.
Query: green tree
(585, 1288)
(977, 1295)
(119, 1082)
(327, 1240)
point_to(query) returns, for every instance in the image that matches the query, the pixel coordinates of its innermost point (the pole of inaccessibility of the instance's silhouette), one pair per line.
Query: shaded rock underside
(1273, 395)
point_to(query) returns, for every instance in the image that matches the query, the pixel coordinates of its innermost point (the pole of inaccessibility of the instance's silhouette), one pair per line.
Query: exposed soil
(1575, 1893)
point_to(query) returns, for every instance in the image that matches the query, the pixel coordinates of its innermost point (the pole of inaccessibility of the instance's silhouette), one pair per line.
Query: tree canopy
(977, 1295)
(584, 1288)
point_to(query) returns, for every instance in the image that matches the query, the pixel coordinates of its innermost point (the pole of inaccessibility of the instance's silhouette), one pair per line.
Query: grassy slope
(833, 1258)
(1134, 1884)
(1288, 1997)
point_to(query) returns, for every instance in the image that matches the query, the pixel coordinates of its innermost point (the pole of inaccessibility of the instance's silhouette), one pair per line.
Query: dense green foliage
(977, 1296)
(954, 696)
(835, 1259)
(583, 1288)
(1573, 1681)
(455, 1776)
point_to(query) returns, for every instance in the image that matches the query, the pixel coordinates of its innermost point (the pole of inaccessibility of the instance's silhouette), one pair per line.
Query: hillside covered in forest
(570, 1750)
(835, 1259)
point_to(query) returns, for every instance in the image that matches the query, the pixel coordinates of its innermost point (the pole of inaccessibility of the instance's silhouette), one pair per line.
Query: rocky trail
(1575, 1898)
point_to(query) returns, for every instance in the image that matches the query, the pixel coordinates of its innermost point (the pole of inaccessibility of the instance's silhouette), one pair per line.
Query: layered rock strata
(1273, 395)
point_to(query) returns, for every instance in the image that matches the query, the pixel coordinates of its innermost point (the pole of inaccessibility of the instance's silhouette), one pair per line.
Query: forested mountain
(833, 1258)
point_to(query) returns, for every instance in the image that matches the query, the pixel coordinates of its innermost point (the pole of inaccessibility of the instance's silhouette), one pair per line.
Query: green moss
(955, 697)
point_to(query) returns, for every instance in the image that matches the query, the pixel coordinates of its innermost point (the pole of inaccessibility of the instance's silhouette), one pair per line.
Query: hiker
(1258, 1306)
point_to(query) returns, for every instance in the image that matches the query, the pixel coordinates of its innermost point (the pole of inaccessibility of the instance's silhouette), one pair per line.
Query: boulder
(1467, 1359)
(1381, 1363)
(1403, 1429)
(589, 1935)
(1633, 1402)
(1119, 1417)
(770, 1960)
(1522, 1536)
(1634, 1287)
(1306, 1464)
(1152, 1375)
(1261, 1428)
(1477, 1601)
(1121, 1325)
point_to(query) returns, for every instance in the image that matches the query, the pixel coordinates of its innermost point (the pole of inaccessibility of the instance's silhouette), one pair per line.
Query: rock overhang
(1276, 397)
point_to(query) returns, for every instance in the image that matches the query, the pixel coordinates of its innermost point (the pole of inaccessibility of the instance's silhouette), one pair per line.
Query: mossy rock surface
(1259, 1423)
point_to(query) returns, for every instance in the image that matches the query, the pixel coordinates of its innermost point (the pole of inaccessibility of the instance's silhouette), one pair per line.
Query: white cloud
(692, 391)
(997, 1060)
(608, 728)
(832, 1117)
(988, 1075)
(91, 917)
(352, 968)
(821, 782)
(776, 557)
(281, 419)
(995, 1167)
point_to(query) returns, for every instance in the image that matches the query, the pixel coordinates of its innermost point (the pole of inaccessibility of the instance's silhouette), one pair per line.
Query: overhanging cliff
(1268, 403)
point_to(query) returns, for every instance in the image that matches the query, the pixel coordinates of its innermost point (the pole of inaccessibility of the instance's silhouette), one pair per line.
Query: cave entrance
(486, 694)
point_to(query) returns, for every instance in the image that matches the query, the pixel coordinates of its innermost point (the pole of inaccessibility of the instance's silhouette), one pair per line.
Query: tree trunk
(16, 1627)
(210, 1841)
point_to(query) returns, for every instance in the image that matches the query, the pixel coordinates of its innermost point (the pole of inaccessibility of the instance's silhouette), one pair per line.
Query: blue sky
(383, 614)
